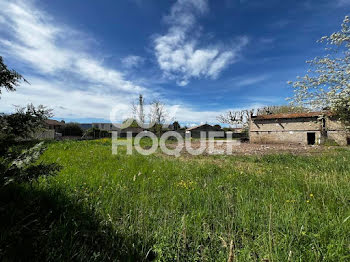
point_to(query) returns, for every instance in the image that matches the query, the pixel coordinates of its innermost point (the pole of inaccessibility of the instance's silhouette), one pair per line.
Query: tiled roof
(294, 115)
(195, 127)
(54, 122)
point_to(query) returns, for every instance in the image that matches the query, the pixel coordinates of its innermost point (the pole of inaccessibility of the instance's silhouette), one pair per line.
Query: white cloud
(77, 104)
(48, 47)
(190, 115)
(132, 61)
(68, 102)
(179, 52)
(248, 81)
(342, 3)
(65, 76)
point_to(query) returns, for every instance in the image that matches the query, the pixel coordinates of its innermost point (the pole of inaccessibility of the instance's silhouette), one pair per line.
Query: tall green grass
(273, 207)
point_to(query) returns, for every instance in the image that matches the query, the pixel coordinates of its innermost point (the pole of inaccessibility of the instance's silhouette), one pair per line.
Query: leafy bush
(9, 79)
(22, 169)
(71, 129)
(24, 122)
(97, 133)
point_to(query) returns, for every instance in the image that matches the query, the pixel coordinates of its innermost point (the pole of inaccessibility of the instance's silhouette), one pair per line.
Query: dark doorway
(311, 138)
(348, 140)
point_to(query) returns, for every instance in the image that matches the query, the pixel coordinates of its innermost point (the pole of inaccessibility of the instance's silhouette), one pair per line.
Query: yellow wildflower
(185, 184)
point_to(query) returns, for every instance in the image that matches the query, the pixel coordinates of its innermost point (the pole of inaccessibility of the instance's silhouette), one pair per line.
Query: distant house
(50, 131)
(134, 130)
(122, 132)
(196, 130)
(107, 126)
(302, 128)
(54, 124)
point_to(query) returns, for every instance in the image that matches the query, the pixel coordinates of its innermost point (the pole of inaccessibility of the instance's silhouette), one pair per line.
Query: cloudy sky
(88, 58)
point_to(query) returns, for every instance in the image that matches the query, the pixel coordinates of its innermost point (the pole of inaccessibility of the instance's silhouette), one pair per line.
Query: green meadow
(103, 207)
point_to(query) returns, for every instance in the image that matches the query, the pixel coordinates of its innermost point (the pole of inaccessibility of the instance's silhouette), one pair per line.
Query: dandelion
(307, 201)
(311, 195)
(184, 184)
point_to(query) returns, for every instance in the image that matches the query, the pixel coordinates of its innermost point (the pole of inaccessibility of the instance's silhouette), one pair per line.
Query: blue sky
(87, 58)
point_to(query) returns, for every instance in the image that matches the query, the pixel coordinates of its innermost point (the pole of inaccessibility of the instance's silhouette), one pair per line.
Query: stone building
(300, 128)
(54, 124)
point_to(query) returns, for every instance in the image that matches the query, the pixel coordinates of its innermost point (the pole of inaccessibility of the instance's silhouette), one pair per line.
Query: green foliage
(9, 79)
(93, 132)
(327, 84)
(217, 127)
(71, 129)
(47, 225)
(176, 125)
(190, 209)
(97, 133)
(26, 120)
(157, 129)
(133, 124)
(23, 123)
(23, 169)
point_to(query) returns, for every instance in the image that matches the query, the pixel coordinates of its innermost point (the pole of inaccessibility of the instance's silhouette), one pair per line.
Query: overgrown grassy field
(120, 207)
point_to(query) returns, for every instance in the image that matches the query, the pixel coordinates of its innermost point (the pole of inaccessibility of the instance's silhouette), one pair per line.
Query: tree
(72, 129)
(133, 123)
(23, 123)
(327, 84)
(242, 118)
(157, 115)
(217, 127)
(9, 79)
(236, 118)
(176, 125)
(18, 166)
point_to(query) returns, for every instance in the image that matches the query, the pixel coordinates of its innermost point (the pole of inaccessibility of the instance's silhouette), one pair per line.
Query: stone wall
(340, 137)
(282, 137)
(334, 124)
(295, 130)
(296, 124)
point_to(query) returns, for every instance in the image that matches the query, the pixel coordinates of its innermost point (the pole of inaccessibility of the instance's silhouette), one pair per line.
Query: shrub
(71, 129)
(23, 169)
(97, 133)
